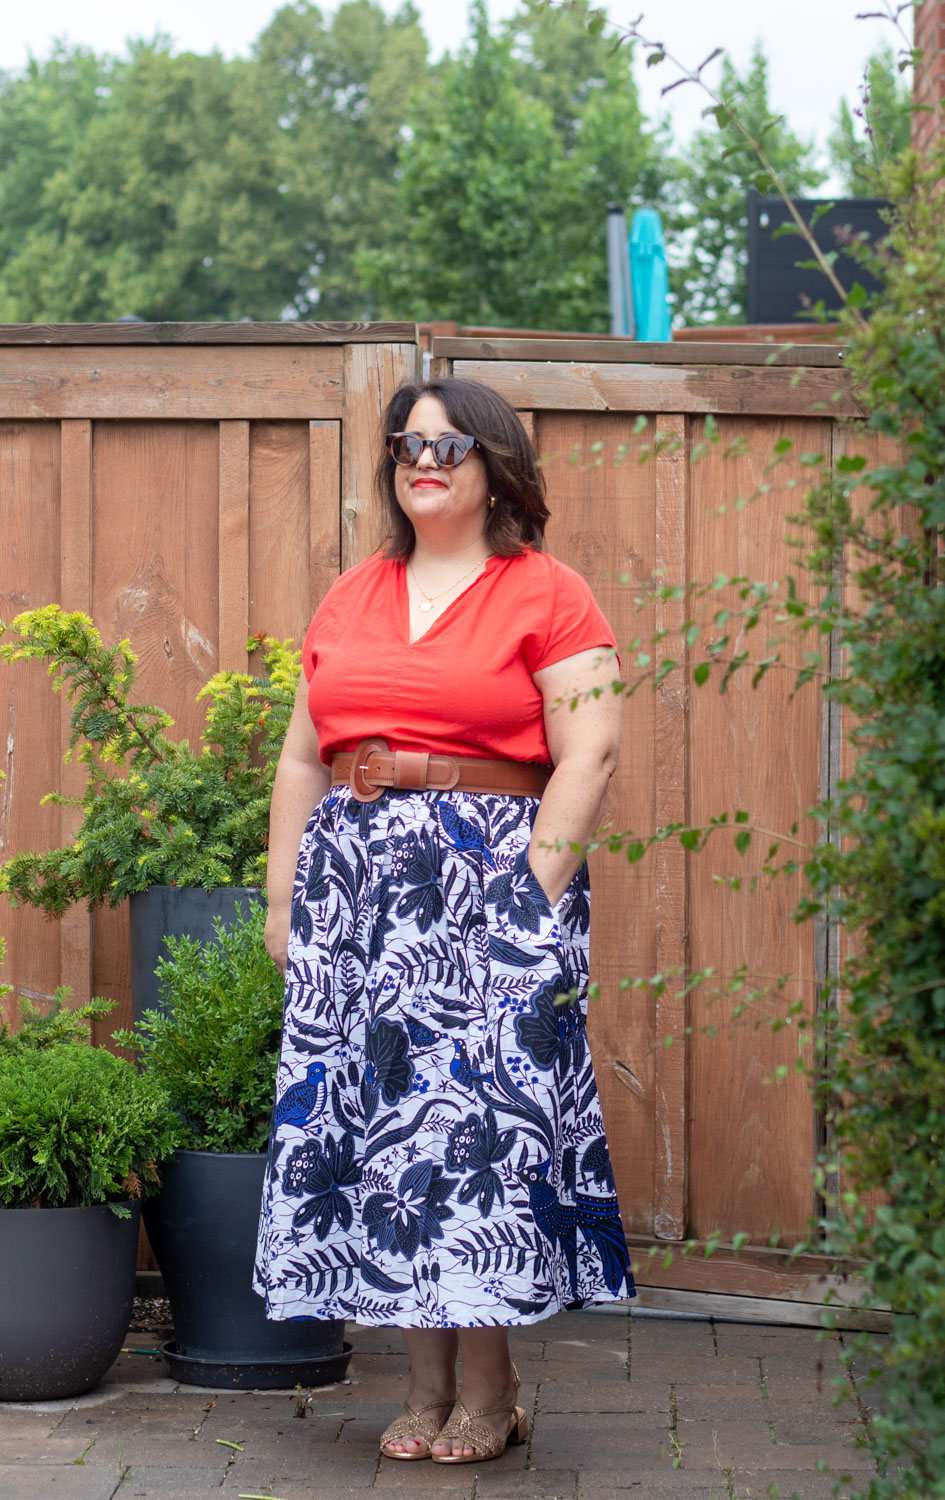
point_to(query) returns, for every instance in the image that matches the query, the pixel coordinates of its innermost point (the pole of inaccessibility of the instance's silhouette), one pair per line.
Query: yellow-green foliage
(154, 811)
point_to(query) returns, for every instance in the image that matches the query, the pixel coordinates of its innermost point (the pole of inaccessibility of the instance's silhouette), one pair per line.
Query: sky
(816, 48)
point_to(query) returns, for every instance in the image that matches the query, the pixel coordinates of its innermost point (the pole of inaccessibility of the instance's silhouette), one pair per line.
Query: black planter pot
(202, 1227)
(174, 911)
(67, 1277)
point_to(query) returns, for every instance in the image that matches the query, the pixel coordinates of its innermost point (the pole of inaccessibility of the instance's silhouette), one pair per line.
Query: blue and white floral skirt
(438, 1156)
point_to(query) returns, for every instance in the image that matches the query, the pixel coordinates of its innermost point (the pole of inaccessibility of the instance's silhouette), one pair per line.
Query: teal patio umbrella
(648, 276)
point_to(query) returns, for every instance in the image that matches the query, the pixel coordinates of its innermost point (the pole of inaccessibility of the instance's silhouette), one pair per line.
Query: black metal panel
(776, 286)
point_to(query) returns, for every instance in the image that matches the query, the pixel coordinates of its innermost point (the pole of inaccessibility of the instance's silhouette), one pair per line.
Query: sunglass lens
(405, 448)
(450, 451)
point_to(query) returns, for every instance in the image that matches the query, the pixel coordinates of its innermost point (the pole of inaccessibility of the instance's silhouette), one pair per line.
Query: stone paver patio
(651, 1405)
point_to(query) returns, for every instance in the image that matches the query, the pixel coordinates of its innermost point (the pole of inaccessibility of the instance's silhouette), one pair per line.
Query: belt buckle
(363, 790)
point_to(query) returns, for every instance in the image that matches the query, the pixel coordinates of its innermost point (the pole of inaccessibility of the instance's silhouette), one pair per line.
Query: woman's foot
(411, 1435)
(487, 1403)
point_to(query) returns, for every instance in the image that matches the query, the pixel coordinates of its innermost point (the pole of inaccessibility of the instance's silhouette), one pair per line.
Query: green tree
(156, 192)
(709, 272)
(339, 92)
(880, 128)
(506, 172)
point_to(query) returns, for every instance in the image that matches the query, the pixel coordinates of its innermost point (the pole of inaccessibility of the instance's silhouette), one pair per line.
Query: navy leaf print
(550, 1033)
(518, 895)
(411, 1217)
(388, 1057)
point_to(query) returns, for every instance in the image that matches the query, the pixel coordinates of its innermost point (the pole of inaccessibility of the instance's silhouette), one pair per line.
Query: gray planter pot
(202, 1227)
(174, 911)
(67, 1277)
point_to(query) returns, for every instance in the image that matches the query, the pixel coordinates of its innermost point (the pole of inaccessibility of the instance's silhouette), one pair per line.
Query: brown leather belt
(374, 767)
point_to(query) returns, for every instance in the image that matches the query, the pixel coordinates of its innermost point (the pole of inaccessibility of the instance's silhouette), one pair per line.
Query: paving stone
(785, 1484)
(150, 1483)
(697, 1369)
(645, 1480)
(806, 1423)
(45, 1482)
(299, 1479)
(723, 1449)
(536, 1483)
(43, 1448)
(396, 1479)
(669, 1336)
(374, 1340)
(596, 1395)
(146, 1449)
(581, 1441)
(723, 1399)
(580, 1325)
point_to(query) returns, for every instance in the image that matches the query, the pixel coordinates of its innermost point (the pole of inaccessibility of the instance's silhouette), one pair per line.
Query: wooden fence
(189, 485)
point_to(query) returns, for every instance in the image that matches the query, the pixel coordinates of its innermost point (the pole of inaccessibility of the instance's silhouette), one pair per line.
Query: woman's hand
(277, 935)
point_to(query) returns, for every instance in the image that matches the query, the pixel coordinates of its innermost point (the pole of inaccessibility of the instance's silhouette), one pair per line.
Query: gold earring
(492, 502)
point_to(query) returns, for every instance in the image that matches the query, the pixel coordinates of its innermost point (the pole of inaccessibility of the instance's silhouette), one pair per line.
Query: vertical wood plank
(278, 529)
(324, 509)
(670, 763)
(602, 517)
(372, 372)
(30, 468)
(155, 579)
(75, 593)
(751, 1143)
(233, 545)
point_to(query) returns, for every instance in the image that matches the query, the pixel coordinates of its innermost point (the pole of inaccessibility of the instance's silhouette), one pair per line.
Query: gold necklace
(432, 598)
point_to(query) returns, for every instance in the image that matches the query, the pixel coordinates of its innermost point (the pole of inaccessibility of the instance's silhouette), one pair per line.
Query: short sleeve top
(465, 687)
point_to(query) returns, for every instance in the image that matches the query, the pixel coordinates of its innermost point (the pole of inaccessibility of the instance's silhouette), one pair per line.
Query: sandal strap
(414, 1424)
(486, 1442)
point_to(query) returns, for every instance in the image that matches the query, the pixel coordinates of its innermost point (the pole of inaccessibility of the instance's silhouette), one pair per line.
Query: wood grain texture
(669, 859)
(371, 375)
(736, 389)
(30, 718)
(627, 351)
(75, 593)
(792, 1312)
(279, 529)
(324, 509)
(207, 333)
(751, 1138)
(233, 546)
(259, 381)
(155, 579)
(755, 1271)
(602, 519)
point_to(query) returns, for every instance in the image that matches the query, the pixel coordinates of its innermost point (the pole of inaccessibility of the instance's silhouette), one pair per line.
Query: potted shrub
(182, 831)
(213, 1048)
(81, 1137)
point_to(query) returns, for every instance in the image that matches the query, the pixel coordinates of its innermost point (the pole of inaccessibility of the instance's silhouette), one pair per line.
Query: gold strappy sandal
(413, 1424)
(488, 1444)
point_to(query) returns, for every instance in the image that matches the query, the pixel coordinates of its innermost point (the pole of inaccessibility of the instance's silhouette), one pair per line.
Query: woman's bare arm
(584, 744)
(301, 782)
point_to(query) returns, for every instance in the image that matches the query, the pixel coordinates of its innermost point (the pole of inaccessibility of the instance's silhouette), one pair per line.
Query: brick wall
(930, 75)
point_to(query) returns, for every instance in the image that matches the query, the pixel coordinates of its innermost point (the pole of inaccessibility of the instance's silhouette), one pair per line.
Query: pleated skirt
(437, 1156)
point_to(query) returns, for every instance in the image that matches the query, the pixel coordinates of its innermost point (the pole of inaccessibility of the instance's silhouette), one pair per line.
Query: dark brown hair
(518, 519)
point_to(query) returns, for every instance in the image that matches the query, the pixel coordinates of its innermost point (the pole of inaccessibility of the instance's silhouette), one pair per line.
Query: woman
(438, 1160)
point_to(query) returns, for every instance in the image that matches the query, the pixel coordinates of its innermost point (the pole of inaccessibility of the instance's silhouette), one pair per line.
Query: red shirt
(463, 688)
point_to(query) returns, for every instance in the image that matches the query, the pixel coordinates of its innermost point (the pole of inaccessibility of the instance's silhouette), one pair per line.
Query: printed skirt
(437, 1157)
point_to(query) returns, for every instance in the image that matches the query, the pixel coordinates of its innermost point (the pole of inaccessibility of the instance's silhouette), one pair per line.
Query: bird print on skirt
(437, 1157)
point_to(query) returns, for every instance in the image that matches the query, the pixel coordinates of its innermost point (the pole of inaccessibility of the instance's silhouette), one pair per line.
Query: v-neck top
(464, 687)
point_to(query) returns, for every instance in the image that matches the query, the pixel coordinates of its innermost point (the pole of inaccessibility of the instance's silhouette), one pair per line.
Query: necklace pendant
(425, 608)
